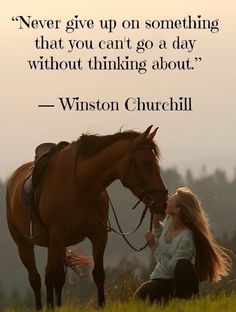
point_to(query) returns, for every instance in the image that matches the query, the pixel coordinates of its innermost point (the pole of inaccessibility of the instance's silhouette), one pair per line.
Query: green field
(221, 303)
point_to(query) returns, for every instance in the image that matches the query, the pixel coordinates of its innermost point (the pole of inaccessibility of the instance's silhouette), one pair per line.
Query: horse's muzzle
(156, 207)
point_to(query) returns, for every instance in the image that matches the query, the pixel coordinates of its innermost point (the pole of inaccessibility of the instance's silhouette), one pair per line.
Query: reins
(125, 234)
(120, 232)
(117, 221)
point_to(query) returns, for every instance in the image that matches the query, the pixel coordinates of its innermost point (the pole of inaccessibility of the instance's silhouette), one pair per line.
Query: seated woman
(185, 251)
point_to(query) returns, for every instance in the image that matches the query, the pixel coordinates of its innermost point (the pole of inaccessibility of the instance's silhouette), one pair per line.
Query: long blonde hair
(212, 261)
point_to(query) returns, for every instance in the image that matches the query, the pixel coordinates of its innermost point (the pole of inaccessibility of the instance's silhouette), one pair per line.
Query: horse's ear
(143, 136)
(151, 135)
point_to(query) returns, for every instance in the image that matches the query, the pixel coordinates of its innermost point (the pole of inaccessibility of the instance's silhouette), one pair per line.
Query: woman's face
(172, 207)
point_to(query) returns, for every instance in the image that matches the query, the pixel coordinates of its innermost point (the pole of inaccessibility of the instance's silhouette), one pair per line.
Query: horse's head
(140, 172)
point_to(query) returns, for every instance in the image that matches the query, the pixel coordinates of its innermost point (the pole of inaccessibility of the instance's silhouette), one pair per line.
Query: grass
(220, 303)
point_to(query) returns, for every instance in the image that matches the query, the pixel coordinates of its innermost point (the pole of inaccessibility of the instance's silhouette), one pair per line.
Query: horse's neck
(102, 169)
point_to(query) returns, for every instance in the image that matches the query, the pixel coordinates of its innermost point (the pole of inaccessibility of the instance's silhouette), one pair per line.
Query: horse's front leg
(55, 272)
(99, 241)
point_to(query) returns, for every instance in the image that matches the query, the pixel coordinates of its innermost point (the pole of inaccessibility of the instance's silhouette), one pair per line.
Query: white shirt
(168, 253)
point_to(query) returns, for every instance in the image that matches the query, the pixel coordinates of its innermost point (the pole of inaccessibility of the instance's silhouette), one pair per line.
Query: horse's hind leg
(25, 248)
(26, 252)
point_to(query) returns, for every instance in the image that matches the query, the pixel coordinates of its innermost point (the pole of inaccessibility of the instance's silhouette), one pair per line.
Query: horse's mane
(90, 144)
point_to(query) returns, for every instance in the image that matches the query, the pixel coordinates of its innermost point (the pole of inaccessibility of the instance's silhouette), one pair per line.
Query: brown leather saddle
(43, 155)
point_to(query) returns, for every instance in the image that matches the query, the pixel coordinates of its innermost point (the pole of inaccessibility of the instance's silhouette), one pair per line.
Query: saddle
(30, 190)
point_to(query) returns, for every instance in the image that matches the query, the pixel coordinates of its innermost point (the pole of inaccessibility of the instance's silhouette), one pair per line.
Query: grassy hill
(226, 303)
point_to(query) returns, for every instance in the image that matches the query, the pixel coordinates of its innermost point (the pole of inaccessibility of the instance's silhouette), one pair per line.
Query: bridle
(146, 193)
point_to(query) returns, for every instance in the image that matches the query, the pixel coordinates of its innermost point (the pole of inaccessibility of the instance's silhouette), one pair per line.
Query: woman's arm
(152, 237)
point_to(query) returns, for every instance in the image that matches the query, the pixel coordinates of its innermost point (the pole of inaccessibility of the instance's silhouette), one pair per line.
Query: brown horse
(73, 203)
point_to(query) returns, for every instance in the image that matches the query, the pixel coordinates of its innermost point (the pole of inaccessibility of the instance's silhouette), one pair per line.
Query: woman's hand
(150, 238)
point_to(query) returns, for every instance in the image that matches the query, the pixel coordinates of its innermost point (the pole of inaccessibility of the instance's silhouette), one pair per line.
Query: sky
(205, 136)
